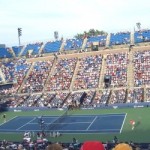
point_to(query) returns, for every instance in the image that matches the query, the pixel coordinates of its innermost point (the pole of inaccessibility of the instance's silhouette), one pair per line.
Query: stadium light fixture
(19, 34)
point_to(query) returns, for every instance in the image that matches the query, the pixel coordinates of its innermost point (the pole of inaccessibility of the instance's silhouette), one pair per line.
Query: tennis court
(106, 123)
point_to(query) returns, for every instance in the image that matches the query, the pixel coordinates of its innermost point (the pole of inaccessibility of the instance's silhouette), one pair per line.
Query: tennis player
(132, 122)
(4, 117)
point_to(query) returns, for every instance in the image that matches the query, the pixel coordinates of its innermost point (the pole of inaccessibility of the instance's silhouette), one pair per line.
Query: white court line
(64, 123)
(8, 120)
(105, 115)
(81, 130)
(26, 123)
(123, 123)
(91, 123)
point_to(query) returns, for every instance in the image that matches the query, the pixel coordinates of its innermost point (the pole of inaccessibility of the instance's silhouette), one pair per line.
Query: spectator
(54, 147)
(88, 73)
(123, 146)
(116, 67)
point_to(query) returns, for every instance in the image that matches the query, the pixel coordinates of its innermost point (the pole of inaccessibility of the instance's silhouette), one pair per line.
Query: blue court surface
(106, 123)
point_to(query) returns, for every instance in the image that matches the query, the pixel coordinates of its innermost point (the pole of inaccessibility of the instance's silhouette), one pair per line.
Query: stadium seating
(37, 77)
(8, 69)
(32, 48)
(58, 100)
(88, 98)
(88, 74)
(147, 95)
(73, 44)
(141, 68)
(53, 100)
(17, 50)
(15, 72)
(135, 95)
(52, 47)
(48, 83)
(100, 39)
(62, 75)
(73, 98)
(116, 67)
(142, 36)
(119, 38)
(79, 73)
(101, 98)
(5, 53)
(118, 96)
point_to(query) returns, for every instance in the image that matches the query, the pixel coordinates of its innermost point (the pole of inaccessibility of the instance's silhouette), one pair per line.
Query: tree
(91, 32)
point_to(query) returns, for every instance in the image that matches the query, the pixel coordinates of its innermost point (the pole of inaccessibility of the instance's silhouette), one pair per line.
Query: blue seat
(51, 47)
(5, 53)
(34, 47)
(119, 38)
(142, 36)
(17, 50)
(73, 44)
(101, 39)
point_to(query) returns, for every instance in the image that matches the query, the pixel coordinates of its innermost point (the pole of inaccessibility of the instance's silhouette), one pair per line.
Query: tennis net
(59, 120)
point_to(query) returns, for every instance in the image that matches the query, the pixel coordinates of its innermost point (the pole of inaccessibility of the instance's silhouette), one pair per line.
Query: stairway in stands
(132, 38)
(2, 76)
(50, 73)
(126, 96)
(62, 46)
(12, 52)
(84, 43)
(130, 71)
(74, 75)
(109, 97)
(108, 40)
(25, 78)
(41, 48)
(102, 72)
(22, 50)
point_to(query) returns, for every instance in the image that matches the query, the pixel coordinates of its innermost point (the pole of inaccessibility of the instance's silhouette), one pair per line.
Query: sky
(40, 18)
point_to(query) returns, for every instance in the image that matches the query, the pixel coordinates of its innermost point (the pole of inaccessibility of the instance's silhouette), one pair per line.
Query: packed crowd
(33, 101)
(87, 101)
(101, 98)
(49, 100)
(88, 73)
(135, 95)
(37, 77)
(147, 99)
(74, 98)
(42, 143)
(87, 77)
(92, 98)
(62, 76)
(15, 101)
(58, 100)
(118, 96)
(141, 61)
(14, 71)
(116, 67)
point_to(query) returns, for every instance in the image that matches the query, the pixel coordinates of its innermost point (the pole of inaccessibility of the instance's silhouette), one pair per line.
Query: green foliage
(91, 32)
